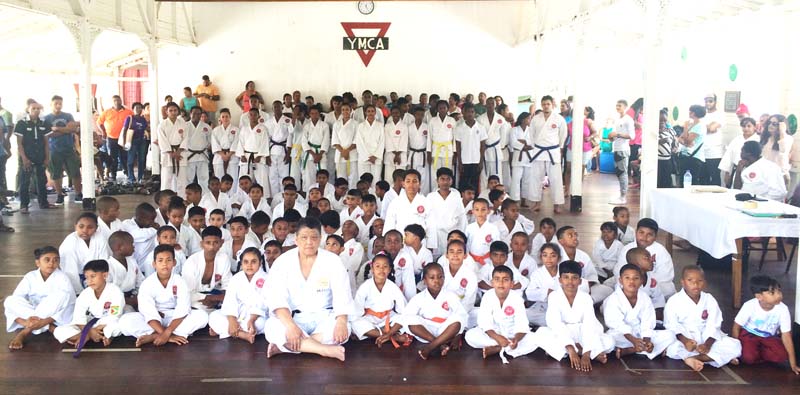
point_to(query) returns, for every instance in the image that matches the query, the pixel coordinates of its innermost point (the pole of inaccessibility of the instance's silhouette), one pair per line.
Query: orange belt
(381, 315)
(438, 320)
(481, 259)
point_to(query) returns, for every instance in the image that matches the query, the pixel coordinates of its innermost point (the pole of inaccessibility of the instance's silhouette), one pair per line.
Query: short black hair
(431, 266)
(618, 209)
(547, 221)
(354, 193)
(241, 220)
(338, 239)
(368, 198)
(444, 171)
(292, 215)
(415, 229)
(630, 266)
(569, 266)
(383, 185)
(648, 223)
(194, 187)
(96, 265)
(88, 215)
(495, 194)
(217, 211)
(211, 231)
(166, 228)
(609, 225)
(311, 223)
(37, 253)
(503, 269)
(498, 246)
(259, 218)
(197, 210)
(330, 218)
(163, 248)
(761, 283)
(560, 232)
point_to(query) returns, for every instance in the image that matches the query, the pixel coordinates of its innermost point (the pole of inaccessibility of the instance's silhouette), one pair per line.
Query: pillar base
(576, 204)
(89, 204)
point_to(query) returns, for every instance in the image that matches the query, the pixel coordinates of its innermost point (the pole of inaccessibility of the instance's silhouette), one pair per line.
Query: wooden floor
(208, 365)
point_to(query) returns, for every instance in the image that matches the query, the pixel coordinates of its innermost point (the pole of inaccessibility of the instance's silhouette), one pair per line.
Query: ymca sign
(365, 45)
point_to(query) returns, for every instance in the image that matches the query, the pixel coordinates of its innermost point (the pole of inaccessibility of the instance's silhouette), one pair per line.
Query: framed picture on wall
(732, 99)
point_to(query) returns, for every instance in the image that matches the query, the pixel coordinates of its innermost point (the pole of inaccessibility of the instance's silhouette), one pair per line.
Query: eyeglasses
(773, 123)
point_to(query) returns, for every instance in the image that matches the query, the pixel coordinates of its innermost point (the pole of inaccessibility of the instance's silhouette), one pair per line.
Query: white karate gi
(315, 138)
(506, 320)
(188, 238)
(663, 268)
(447, 214)
(418, 155)
(315, 302)
(107, 229)
(526, 266)
(127, 279)
(360, 116)
(627, 236)
(549, 135)
(173, 301)
(435, 314)
(496, 154)
(352, 257)
(364, 228)
(479, 238)
(344, 135)
(404, 265)
(225, 140)
(279, 133)
(522, 184)
(639, 321)
(605, 259)
(536, 246)
(243, 298)
(144, 242)
(222, 202)
(540, 287)
(107, 308)
(37, 297)
(296, 163)
(192, 274)
(395, 140)
(505, 234)
(370, 141)
(74, 254)
(198, 140)
(485, 275)
(764, 178)
(464, 284)
(252, 146)
(244, 119)
(699, 321)
(248, 208)
(570, 325)
(598, 291)
(403, 212)
(377, 309)
(441, 143)
(733, 152)
(170, 137)
(280, 209)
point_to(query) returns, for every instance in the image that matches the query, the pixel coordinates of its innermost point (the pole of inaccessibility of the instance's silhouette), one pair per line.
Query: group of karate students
(436, 269)
(349, 141)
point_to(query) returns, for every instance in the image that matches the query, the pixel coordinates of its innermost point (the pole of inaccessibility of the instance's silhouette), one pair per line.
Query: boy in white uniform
(440, 143)
(663, 268)
(481, 233)
(243, 311)
(379, 303)
(255, 202)
(759, 176)
(198, 140)
(108, 216)
(224, 141)
(395, 144)
(215, 199)
(279, 133)
(207, 273)
(123, 271)
(418, 151)
(262, 115)
(411, 208)
(447, 210)
(498, 254)
(549, 134)
(502, 324)
(171, 141)
(631, 318)
(352, 253)
(544, 281)
(43, 299)
(309, 312)
(606, 250)
(520, 143)
(99, 307)
(572, 328)
(695, 318)
(496, 156)
(141, 227)
(316, 142)
(81, 246)
(299, 122)
(568, 240)
(187, 237)
(252, 149)
(343, 140)
(370, 144)
(470, 138)
(165, 314)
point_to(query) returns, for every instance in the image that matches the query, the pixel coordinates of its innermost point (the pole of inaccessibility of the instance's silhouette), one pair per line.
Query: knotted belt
(497, 152)
(544, 149)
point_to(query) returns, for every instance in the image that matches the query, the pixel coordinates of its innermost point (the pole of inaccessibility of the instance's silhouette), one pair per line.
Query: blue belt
(543, 149)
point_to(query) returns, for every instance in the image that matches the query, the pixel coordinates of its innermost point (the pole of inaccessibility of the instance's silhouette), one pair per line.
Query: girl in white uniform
(396, 144)
(171, 141)
(81, 246)
(252, 149)
(224, 141)
(43, 299)
(378, 305)
(461, 280)
(244, 309)
(370, 142)
(316, 142)
(521, 143)
(344, 142)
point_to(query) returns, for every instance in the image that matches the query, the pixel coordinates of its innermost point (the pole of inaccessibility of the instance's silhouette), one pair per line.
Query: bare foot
(212, 333)
(557, 209)
(734, 361)
(247, 336)
(403, 339)
(106, 341)
(17, 342)
(273, 350)
(335, 352)
(146, 339)
(489, 351)
(586, 362)
(536, 207)
(602, 357)
(694, 363)
(425, 352)
(619, 353)
(445, 349)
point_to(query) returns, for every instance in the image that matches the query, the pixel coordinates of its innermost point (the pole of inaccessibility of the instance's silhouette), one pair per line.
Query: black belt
(543, 149)
(273, 143)
(496, 159)
(416, 151)
(175, 162)
(196, 152)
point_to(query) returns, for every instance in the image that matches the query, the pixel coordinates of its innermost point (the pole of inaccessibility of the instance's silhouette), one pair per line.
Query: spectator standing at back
(110, 122)
(207, 95)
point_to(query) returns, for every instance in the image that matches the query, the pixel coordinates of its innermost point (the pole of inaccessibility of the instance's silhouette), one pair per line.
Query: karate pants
(389, 168)
(111, 329)
(295, 167)
(420, 164)
(374, 169)
(366, 323)
(134, 324)
(757, 349)
(310, 171)
(536, 314)
(233, 169)
(539, 169)
(522, 183)
(506, 178)
(277, 171)
(722, 352)
(348, 169)
(321, 323)
(600, 292)
(258, 172)
(199, 169)
(590, 337)
(218, 322)
(436, 165)
(433, 327)
(492, 167)
(661, 339)
(175, 182)
(56, 306)
(477, 338)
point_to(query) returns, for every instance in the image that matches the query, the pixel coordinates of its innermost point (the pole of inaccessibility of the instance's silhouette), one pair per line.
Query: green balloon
(791, 120)
(675, 113)
(684, 53)
(733, 72)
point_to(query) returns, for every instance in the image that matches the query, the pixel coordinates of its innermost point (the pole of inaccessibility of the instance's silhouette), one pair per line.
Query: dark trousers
(25, 175)
(138, 152)
(3, 180)
(665, 171)
(119, 157)
(693, 165)
(711, 174)
(469, 177)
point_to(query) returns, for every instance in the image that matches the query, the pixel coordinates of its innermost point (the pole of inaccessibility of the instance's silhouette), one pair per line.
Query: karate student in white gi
(461, 279)
(496, 160)
(759, 176)
(568, 240)
(224, 141)
(370, 141)
(279, 133)
(252, 149)
(123, 270)
(99, 307)
(502, 324)
(343, 140)
(440, 146)
(411, 208)
(447, 209)
(81, 246)
(360, 114)
(171, 141)
(481, 233)
(549, 134)
(198, 141)
(165, 313)
(309, 297)
(207, 272)
(663, 268)
(378, 305)
(215, 199)
(418, 151)
(255, 103)
(733, 152)
(520, 141)
(695, 318)
(606, 250)
(395, 144)
(144, 234)
(316, 142)
(43, 299)
(631, 318)
(470, 137)
(299, 122)
(572, 328)
(244, 309)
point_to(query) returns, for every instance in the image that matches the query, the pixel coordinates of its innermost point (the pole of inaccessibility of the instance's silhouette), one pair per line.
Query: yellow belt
(299, 149)
(438, 146)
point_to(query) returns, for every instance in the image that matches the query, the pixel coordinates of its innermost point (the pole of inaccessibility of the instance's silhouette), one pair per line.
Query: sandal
(24, 211)
(6, 229)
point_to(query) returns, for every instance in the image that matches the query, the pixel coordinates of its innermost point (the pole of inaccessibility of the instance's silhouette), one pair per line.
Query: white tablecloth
(710, 222)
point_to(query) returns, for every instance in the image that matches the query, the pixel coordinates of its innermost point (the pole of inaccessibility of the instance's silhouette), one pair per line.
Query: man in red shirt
(111, 122)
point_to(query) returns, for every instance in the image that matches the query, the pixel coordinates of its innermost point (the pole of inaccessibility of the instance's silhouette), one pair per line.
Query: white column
(85, 38)
(652, 105)
(576, 180)
(155, 102)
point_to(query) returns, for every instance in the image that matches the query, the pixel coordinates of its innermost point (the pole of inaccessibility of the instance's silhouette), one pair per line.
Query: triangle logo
(365, 46)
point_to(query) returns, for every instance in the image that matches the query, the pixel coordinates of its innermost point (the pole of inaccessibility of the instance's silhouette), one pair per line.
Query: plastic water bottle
(687, 179)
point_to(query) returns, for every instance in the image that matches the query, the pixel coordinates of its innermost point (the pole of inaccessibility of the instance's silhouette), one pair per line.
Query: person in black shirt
(34, 155)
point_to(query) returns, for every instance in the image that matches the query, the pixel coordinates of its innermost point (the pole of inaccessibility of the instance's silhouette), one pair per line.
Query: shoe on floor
(77, 198)
(60, 199)
(618, 201)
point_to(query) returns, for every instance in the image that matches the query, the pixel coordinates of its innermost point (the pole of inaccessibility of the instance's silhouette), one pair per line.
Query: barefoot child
(243, 311)
(461, 280)
(435, 316)
(207, 273)
(108, 216)
(631, 318)
(758, 322)
(81, 246)
(606, 251)
(622, 218)
(123, 272)
(502, 324)
(98, 307)
(547, 233)
(43, 299)
(379, 303)
(498, 255)
(165, 314)
(572, 328)
(481, 233)
(519, 259)
(568, 240)
(695, 318)
(144, 230)
(544, 280)
(167, 235)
